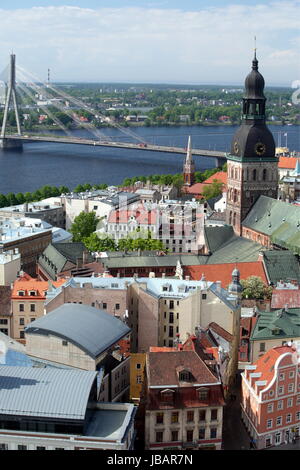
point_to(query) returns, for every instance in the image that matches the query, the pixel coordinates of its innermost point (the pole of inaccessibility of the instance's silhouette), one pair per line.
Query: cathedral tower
(251, 165)
(189, 166)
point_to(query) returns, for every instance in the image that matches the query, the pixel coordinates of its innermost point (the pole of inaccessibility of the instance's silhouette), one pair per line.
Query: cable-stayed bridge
(22, 84)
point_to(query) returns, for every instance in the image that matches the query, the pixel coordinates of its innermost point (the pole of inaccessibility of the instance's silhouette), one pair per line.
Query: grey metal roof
(89, 328)
(46, 392)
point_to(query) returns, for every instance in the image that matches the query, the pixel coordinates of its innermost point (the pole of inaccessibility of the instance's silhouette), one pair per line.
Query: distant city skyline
(136, 41)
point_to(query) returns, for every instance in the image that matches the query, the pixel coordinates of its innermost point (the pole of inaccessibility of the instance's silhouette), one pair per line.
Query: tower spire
(189, 165)
(255, 61)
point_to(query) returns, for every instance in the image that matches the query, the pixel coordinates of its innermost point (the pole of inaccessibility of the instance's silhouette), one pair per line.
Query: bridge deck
(127, 145)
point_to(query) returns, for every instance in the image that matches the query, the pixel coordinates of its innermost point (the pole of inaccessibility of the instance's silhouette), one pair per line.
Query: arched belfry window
(254, 174)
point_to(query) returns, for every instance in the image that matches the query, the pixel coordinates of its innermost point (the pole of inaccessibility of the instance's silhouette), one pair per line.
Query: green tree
(84, 225)
(11, 199)
(3, 201)
(94, 242)
(212, 190)
(254, 288)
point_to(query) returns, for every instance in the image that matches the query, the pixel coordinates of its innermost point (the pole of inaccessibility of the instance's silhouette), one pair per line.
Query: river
(60, 164)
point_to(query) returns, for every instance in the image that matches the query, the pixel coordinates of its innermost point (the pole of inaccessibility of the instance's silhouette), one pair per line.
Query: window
(185, 376)
(32, 319)
(281, 376)
(138, 379)
(3, 321)
(32, 293)
(174, 435)
(269, 423)
(32, 307)
(262, 347)
(104, 306)
(174, 417)
(138, 366)
(280, 405)
(159, 436)
(279, 421)
(271, 393)
(40, 448)
(298, 416)
(171, 317)
(22, 321)
(213, 433)
(290, 388)
(190, 416)
(171, 304)
(214, 415)
(291, 374)
(204, 296)
(22, 334)
(117, 306)
(3, 447)
(171, 332)
(281, 390)
(202, 415)
(21, 307)
(289, 418)
(190, 435)
(21, 293)
(202, 433)
(289, 402)
(64, 343)
(270, 408)
(21, 447)
(159, 418)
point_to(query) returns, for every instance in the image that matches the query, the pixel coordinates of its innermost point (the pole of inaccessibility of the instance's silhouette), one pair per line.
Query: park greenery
(135, 241)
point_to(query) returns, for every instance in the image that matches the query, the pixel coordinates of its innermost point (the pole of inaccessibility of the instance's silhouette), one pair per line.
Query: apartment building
(271, 397)
(28, 298)
(183, 402)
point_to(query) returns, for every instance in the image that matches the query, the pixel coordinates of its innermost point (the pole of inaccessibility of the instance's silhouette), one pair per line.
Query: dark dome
(246, 138)
(254, 83)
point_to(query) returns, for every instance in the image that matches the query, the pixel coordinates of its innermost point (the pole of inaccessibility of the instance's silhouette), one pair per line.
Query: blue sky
(190, 41)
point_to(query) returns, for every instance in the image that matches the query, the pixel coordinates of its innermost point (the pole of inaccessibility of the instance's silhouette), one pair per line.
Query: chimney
(187, 278)
(85, 256)
(163, 275)
(79, 262)
(218, 286)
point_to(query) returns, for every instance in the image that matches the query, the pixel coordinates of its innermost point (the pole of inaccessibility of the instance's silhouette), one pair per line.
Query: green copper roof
(215, 237)
(280, 220)
(281, 323)
(281, 265)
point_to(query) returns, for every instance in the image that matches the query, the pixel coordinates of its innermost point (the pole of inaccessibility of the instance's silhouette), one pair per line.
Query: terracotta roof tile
(220, 331)
(287, 162)
(220, 176)
(27, 283)
(223, 272)
(283, 297)
(265, 364)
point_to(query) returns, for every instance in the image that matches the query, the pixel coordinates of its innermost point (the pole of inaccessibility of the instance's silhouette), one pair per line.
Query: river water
(65, 164)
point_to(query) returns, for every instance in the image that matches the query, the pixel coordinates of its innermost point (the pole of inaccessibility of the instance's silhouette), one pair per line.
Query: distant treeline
(12, 199)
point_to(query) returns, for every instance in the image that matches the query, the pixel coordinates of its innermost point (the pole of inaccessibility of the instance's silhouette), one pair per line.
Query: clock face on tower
(236, 147)
(260, 148)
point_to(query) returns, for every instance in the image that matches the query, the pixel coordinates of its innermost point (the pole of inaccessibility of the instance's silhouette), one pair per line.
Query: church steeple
(189, 166)
(252, 164)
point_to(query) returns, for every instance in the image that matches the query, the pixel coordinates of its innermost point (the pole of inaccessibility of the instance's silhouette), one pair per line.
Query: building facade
(271, 399)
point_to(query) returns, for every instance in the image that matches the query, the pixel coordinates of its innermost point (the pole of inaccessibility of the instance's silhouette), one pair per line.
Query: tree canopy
(84, 225)
(255, 288)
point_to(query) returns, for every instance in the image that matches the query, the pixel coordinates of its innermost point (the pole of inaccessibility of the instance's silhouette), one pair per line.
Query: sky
(140, 41)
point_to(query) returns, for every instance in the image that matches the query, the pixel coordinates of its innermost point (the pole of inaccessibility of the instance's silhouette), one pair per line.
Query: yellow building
(137, 366)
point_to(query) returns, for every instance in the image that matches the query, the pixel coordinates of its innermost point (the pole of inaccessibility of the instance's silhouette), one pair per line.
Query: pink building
(271, 397)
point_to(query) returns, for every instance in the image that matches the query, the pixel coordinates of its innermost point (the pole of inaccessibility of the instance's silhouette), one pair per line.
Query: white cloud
(139, 44)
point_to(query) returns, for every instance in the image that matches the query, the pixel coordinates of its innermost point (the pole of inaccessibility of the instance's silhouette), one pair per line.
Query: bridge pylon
(11, 95)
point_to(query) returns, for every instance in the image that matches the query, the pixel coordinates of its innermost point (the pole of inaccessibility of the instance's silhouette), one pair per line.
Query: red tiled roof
(223, 272)
(287, 162)
(282, 297)
(265, 364)
(163, 368)
(142, 215)
(220, 331)
(220, 176)
(27, 283)
(196, 188)
(161, 349)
